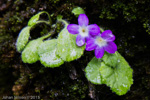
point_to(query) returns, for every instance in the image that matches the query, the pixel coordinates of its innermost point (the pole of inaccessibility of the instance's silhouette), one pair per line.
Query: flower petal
(111, 47)
(95, 36)
(83, 20)
(93, 29)
(88, 38)
(90, 44)
(73, 28)
(99, 52)
(80, 40)
(108, 36)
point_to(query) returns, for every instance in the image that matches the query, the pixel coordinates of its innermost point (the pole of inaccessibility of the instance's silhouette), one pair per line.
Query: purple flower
(102, 42)
(83, 30)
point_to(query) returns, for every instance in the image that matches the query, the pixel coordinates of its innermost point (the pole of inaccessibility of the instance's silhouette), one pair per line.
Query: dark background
(128, 20)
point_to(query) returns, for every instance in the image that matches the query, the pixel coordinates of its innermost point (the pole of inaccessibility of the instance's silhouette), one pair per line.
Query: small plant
(108, 67)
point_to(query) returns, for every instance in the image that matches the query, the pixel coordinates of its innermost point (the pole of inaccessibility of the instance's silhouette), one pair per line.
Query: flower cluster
(90, 34)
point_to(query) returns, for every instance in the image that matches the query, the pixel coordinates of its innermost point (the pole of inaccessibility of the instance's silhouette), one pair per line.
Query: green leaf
(93, 72)
(110, 59)
(77, 11)
(47, 53)
(30, 53)
(33, 20)
(23, 38)
(66, 46)
(116, 73)
(59, 17)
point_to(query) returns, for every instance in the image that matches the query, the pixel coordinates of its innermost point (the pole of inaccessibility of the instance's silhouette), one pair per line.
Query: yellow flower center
(83, 31)
(100, 42)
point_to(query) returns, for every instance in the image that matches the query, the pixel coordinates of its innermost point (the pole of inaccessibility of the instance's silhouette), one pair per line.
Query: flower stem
(51, 33)
(42, 21)
(50, 21)
(64, 22)
(101, 29)
(46, 36)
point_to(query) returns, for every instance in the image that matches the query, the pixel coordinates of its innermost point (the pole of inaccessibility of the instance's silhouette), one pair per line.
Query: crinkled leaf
(66, 46)
(47, 53)
(30, 53)
(34, 19)
(77, 11)
(23, 38)
(116, 73)
(110, 59)
(93, 72)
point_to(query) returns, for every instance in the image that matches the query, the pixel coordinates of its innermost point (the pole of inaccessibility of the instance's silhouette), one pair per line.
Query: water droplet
(63, 83)
(56, 94)
(133, 37)
(124, 85)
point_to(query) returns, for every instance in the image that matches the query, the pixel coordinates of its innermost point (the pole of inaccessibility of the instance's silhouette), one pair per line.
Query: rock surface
(128, 20)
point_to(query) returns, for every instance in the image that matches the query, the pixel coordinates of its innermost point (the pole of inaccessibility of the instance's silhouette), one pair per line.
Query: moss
(130, 11)
(129, 21)
(5, 79)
